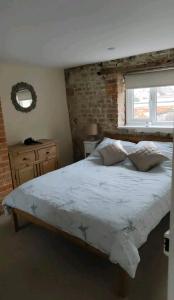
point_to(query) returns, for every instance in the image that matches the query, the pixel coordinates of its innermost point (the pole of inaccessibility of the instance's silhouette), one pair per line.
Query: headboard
(137, 137)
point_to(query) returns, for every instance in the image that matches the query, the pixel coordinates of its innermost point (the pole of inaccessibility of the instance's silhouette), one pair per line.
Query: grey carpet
(37, 264)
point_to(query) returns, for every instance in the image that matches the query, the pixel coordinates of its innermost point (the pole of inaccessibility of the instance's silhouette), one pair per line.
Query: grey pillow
(113, 153)
(146, 157)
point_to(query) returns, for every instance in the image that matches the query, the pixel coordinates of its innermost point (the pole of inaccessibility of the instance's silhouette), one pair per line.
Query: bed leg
(15, 221)
(123, 284)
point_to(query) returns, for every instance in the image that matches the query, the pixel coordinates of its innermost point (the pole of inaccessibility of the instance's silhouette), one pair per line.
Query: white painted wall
(171, 252)
(49, 119)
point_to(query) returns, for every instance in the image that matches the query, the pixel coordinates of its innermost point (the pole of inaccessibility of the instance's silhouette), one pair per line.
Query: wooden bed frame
(123, 279)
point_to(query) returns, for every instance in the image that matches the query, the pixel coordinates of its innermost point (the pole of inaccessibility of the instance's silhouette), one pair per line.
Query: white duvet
(111, 208)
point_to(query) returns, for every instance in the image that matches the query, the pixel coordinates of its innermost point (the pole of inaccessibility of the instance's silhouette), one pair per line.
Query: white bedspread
(111, 208)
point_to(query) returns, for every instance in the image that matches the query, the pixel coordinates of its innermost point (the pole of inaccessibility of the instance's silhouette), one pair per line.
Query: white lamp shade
(92, 129)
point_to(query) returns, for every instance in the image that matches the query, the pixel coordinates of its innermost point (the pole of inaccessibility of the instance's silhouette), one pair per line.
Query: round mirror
(23, 97)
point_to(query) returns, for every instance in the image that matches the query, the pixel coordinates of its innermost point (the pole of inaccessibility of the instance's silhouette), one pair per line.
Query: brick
(6, 187)
(5, 173)
(4, 157)
(93, 97)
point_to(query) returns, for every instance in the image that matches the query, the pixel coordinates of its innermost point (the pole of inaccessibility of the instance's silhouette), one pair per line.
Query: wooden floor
(36, 264)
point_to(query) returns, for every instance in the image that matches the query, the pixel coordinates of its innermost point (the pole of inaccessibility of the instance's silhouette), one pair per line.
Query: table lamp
(92, 131)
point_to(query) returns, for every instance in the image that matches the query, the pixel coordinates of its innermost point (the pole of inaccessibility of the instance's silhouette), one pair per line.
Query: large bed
(110, 209)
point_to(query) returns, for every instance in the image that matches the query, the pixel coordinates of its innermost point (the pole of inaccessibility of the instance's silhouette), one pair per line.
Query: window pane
(165, 104)
(141, 103)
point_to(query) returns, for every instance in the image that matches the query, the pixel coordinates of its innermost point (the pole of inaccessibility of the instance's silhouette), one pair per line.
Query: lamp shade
(92, 129)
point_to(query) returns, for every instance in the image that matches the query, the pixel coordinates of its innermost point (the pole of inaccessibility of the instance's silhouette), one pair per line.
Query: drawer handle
(47, 152)
(24, 158)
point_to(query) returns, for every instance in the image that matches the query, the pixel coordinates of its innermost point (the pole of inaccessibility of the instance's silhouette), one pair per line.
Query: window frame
(152, 120)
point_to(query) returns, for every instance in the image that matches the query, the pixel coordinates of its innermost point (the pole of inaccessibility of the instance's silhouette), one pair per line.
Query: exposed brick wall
(96, 92)
(5, 174)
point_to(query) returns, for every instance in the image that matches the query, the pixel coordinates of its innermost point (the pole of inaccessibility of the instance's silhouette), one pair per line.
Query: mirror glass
(24, 98)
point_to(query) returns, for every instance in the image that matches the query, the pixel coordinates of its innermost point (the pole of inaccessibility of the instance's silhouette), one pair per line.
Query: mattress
(111, 208)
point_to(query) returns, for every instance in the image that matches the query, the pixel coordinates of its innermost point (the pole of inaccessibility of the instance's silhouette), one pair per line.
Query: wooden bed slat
(123, 279)
(19, 213)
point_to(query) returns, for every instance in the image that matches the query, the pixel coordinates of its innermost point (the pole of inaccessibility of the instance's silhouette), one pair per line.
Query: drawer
(24, 159)
(47, 153)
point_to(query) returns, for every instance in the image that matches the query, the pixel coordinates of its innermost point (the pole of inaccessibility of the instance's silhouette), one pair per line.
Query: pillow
(113, 153)
(146, 156)
(128, 146)
(166, 148)
(96, 154)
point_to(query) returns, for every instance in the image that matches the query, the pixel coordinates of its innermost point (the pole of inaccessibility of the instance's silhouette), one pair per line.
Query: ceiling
(66, 33)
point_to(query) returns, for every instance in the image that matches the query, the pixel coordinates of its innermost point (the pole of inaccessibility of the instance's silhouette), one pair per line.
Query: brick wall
(5, 174)
(96, 92)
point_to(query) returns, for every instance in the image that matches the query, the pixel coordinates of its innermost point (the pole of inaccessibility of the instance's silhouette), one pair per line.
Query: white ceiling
(68, 33)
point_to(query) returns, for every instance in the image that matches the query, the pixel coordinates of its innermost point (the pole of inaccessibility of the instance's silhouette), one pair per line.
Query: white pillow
(113, 153)
(166, 148)
(128, 146)
(146, 156)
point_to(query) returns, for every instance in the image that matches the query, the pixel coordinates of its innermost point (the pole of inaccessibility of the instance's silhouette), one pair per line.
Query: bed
(110, 210)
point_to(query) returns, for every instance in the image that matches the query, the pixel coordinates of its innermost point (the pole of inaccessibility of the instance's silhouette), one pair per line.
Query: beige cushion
(113, 153)
(146, 157)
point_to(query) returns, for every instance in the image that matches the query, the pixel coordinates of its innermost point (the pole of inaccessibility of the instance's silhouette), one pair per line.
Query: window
(150, 98)
(152, 106)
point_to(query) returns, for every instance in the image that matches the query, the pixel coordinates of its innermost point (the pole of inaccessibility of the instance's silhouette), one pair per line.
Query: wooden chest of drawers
(28, 162)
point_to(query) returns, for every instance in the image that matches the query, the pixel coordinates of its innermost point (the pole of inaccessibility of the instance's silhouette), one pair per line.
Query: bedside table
(89, 146)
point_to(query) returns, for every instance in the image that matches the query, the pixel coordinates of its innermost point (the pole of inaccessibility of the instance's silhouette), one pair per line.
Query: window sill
(139, 128)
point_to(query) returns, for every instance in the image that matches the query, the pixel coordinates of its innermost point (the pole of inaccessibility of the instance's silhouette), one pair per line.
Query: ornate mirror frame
(20, 86)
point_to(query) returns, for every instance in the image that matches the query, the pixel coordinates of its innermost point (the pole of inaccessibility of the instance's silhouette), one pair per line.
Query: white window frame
(151, 121)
